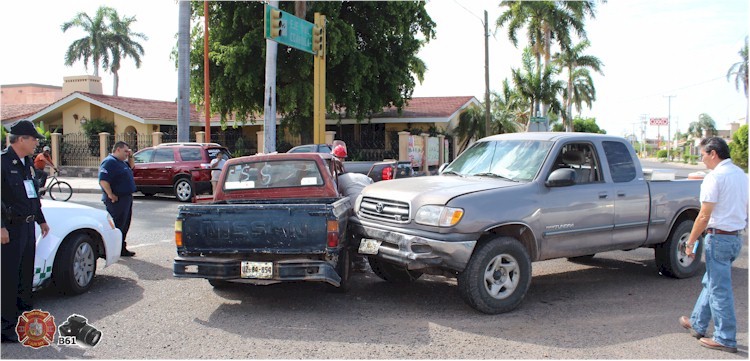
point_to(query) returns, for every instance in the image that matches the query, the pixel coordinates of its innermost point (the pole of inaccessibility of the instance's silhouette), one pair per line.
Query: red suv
(178, 168)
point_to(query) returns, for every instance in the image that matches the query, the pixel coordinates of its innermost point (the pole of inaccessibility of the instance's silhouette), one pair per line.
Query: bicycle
(58, 190)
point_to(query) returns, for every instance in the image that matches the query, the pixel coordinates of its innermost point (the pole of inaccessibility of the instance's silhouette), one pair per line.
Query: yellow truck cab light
(178, 233)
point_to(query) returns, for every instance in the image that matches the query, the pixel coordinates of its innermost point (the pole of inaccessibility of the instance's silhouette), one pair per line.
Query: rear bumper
(229, 269)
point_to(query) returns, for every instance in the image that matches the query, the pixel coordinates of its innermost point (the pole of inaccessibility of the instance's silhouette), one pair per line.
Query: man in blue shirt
(118, 186)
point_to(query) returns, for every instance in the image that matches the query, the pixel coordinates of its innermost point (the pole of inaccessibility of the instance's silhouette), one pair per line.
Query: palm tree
(545, 21)
(470, 127)
(704, 125)
(537, 86)
(583, 91)
(739, 70)
(92, 46)
(121, 44)
(573, 60)
(183, 72)
(509, 111)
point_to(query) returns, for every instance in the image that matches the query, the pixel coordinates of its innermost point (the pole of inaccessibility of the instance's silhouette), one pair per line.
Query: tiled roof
(427, 107)
(147, 109)
(19, 111)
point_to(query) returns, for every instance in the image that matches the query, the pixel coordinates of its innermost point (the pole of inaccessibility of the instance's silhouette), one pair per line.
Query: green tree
(545, 21)
(93, 46)
(536, 86)
(582, 125)
(371, 59)
(705, 124)
(509, 110)
(580, 86)
(739, 70)
(470, 127)
(738, 147)
(122, 43)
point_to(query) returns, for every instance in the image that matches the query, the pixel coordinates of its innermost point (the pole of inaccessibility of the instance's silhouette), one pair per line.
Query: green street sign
(285, 28)
(538, 119)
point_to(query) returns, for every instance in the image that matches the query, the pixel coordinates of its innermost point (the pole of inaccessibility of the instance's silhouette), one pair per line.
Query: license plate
(260, 270)
(369, 246)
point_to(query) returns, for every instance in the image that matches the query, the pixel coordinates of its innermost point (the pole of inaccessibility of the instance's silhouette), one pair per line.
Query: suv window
(190, 154)
(620, 161)
(164, 155)
(303, 149)
(144, 156)
(324, 149)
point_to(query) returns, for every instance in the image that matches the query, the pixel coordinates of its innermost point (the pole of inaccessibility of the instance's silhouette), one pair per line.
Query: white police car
(79, 235)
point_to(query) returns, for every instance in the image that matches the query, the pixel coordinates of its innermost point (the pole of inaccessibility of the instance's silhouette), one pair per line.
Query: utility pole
(669, 126)
(486, 77)
(269, 98)
(183, 73)
(206, 79)
(643, 133)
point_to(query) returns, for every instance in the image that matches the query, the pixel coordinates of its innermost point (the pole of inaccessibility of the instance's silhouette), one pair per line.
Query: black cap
(25, 127)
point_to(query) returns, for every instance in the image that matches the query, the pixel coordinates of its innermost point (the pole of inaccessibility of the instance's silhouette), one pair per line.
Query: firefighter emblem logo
(36, 328)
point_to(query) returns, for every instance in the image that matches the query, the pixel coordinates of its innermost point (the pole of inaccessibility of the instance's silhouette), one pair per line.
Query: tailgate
(255, 228)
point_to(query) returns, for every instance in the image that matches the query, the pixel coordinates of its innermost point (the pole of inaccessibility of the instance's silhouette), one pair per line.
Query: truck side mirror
(562, 177)
(442, 167)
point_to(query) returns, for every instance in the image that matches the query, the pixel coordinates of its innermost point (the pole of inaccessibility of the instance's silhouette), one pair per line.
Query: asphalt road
(615, 307)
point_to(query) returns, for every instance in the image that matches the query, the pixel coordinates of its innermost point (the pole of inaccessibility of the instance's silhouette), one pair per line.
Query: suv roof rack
(194, 144)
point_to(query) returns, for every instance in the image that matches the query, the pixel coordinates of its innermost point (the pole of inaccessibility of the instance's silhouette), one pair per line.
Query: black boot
(124, 252)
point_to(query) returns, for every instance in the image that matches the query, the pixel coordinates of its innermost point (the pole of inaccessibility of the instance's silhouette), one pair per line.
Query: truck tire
(75, 264)
(183, 189)
(670, 256)
(497, 276)
(391, 272)
(344, 269)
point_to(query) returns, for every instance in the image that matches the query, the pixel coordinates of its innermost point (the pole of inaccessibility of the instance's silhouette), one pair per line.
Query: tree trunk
(569, 102)
(183, 73)
(115, 82)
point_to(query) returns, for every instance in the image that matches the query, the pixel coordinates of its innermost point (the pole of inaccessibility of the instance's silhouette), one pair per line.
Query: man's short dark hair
(717, 144)
(119, 145)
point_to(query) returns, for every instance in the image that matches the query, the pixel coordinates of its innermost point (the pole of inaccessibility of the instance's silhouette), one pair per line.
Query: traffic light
(276, 24)
(317, 38)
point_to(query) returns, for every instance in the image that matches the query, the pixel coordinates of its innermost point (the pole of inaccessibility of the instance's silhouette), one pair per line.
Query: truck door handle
(620, 193)
(168, 167)
(602, 195)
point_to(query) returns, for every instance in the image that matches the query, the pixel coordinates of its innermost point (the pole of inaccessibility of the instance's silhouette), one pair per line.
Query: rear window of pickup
(273, 174)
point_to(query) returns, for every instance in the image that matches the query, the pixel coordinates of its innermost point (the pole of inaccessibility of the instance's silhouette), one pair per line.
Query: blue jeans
(717, 299)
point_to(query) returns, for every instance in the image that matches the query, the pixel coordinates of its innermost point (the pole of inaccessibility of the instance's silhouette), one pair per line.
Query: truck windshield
(517, 160)
(273, 174)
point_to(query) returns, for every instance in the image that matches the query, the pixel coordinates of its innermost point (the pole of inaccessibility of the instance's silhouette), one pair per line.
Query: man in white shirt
(723, 215)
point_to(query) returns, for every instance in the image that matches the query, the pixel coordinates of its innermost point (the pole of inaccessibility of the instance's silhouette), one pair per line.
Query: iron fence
(76, 150)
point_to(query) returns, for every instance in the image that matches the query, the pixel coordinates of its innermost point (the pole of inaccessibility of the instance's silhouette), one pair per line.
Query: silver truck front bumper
(417, 252)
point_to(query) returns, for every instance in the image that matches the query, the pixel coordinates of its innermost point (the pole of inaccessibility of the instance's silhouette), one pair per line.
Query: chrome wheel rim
(183, 190)
(682, 257)
(501, 276)
(84, 264)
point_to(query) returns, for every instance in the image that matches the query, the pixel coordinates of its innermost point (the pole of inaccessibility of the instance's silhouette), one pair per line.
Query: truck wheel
(219, 284)
(183, 190)
(75, 264)
(392, 273)
(670, 256)
(344, 269)
(497, 276)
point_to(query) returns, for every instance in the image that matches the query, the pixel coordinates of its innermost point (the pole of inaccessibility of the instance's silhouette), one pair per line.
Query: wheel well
(101, 252)
(518, 231)
(181, 176)
(691, 214)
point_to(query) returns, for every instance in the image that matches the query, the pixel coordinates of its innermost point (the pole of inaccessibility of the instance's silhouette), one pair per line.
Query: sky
(651, 49)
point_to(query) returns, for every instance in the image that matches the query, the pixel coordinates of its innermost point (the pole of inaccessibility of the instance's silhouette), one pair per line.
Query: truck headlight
(440, 216)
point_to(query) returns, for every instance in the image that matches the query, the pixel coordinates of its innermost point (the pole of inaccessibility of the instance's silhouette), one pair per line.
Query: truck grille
(384, 210)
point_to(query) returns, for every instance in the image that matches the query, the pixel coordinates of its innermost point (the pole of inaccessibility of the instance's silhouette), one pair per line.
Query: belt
(719, 231)
(22, 219)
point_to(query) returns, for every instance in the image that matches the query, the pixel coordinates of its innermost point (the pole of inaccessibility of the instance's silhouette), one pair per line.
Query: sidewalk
(82, 185)
(697, 167)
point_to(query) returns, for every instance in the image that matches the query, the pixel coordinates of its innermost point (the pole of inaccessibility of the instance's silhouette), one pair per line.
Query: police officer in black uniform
(20, 209)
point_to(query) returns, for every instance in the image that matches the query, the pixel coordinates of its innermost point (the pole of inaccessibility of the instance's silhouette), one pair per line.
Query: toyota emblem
(379, 207)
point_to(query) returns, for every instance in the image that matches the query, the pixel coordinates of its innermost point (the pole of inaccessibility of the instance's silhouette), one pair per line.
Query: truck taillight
(333, 233)
(178, 233)
(387, 173)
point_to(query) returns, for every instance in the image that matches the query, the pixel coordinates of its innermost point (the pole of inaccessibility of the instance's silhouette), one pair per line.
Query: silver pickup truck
(513, 199)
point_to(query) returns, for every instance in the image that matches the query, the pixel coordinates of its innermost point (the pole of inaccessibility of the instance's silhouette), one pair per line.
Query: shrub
(92, 128)
(661, 154)
(738, 147)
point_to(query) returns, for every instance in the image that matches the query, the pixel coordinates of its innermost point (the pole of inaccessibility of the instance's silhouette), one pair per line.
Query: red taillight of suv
(387, 173)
